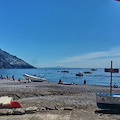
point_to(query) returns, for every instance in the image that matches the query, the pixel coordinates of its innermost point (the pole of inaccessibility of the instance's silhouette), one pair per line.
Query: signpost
(111, 70)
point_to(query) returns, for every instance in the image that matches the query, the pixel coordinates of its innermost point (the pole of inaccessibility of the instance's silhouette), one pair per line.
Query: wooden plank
(111, 70)
(7, 101)
(3, 99)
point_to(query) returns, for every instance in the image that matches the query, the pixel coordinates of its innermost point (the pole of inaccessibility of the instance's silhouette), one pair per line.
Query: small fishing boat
(88, 72)
(93, 69)
(108, 101)
(65, 71)
(79, 74)
(34, 78)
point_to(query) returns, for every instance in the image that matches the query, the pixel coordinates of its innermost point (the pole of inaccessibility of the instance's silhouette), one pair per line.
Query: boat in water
(65, 71)
(108, 101)
(79, 74)
(88, 72)
(34, 78)
(93, 69)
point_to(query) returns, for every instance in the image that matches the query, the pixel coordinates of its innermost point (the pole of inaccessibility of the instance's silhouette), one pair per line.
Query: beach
(55, 101)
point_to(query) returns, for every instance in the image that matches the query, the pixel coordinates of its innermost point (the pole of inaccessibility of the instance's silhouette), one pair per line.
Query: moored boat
(34, 78)
(93, 69)
(65, 71)
(88, 72)
(79, 74)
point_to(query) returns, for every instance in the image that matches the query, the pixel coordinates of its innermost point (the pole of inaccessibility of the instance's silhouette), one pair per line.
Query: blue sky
(68, 33)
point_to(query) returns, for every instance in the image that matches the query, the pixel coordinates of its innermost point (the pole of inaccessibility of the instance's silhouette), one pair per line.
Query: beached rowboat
(107, 101)
(34, 78)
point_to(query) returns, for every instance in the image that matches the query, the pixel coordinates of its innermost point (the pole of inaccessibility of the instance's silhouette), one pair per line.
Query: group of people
(6, 77)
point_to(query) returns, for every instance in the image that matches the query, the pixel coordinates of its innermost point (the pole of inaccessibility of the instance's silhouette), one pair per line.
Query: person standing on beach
(60, 81)
(13, 77)
(84, 81)
(1, 77)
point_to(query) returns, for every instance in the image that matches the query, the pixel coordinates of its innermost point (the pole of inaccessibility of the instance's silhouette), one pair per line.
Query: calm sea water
(98, 77)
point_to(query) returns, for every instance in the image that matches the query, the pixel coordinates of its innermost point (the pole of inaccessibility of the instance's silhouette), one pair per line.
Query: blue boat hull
(107, 101)
(108, 106)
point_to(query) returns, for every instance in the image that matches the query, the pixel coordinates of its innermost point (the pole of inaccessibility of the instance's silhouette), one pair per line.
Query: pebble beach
(53, 101)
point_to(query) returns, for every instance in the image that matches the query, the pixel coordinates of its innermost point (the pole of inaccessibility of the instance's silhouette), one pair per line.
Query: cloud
(93, 58)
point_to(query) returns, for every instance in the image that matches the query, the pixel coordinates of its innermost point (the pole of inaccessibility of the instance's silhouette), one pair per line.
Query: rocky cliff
(8, 61)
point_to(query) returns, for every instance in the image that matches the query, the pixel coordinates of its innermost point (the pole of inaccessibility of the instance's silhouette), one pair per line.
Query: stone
(9, 112)
(68, 108)
(50, 108)
(56, 108)
(42, 109)
(6, 111)
(31, 109)
(3, 111)
(18, 111)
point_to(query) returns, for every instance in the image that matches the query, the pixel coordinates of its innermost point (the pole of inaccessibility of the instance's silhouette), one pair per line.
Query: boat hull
(107, 101)
(108, 106)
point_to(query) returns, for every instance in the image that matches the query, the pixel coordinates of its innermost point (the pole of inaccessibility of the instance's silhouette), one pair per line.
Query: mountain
(8, 61)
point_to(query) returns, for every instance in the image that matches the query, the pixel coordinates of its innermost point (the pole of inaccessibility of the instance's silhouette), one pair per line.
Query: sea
(98, 77)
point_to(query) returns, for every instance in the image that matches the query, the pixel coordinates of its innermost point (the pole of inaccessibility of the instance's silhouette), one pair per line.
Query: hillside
(8, 61)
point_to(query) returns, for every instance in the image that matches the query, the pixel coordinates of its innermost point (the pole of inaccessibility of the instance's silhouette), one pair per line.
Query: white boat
(34, 78)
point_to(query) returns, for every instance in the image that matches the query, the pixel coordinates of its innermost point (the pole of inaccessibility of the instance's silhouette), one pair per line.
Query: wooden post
(111, 81)
(111, 70)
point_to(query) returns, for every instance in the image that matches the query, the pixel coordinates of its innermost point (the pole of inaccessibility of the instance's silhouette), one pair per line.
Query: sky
(67, 33)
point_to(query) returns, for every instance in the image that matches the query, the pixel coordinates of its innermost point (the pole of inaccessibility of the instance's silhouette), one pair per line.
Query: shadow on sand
(117, 111)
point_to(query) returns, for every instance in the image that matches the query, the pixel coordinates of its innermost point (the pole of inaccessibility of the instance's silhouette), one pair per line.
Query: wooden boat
(108, 101)
(34, 78)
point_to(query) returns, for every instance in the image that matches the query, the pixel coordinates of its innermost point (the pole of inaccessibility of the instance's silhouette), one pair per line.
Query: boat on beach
(34, 78)
(108, 101)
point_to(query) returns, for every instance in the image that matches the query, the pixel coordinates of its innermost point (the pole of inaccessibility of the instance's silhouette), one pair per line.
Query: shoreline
(26, 81)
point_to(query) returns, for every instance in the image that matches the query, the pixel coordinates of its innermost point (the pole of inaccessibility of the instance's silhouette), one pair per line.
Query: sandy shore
(81, 98)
